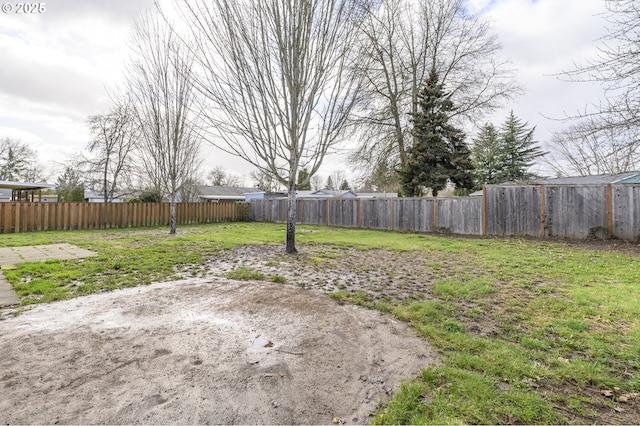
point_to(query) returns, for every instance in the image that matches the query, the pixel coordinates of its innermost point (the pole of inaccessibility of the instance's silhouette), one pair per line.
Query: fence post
(484, 210)
(359, 217)
(435, 214)
(543, 217)
(609, 211)
(326, 205)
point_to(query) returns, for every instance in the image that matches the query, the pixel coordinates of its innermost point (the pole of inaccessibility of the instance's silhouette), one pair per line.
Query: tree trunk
(291, 221)
(172, 218)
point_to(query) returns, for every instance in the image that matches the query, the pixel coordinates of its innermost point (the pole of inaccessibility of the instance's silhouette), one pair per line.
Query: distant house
(326, 193)
(620, 178)
(91, 196)
(371, 195)
(329, 193)
(5, 195)
(227, 194)
(605, 179)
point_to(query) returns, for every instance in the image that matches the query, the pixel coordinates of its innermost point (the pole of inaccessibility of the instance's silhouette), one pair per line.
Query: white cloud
(542, 39)
(55, 67)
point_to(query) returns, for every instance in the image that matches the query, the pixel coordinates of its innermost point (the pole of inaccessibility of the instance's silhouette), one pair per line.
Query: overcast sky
(56, 67)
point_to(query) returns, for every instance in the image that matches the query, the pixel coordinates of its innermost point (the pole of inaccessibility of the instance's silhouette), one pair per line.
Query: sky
(58, 66)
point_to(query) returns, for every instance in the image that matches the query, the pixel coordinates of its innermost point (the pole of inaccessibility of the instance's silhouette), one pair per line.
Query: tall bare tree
(219, 176)
(114, 137)
(605, 137)
(402, 40)
(274, 81)
(161, 86)
(586, 149)
(264, 181)
(18, 162)
(617, 68)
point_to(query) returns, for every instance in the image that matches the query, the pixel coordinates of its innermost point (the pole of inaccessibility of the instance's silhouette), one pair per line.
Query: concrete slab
(9, 256)
(8, 297)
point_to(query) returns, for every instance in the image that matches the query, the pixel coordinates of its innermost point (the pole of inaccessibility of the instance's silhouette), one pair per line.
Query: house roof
(25, 186)
(326, 193)
(225, 192)
(377, 195)
(629, 177)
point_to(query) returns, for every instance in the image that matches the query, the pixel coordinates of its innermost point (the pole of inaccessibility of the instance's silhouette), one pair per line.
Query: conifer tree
(518, 150)
(439, 154)
(505, 155)
(344, 186)
(485, 155)
(329, 185)
(304, 180)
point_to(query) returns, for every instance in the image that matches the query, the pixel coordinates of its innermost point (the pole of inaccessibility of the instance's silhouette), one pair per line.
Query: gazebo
(25, 191)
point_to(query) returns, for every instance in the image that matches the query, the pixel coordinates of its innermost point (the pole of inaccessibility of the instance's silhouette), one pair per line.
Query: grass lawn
(529, 331)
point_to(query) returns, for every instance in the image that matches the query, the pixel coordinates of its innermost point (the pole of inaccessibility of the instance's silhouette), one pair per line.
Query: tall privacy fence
(25, 217)
(602, 211)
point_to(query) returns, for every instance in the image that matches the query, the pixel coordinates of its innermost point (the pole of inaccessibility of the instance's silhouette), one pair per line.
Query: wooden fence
(602, 211)
(25, 217)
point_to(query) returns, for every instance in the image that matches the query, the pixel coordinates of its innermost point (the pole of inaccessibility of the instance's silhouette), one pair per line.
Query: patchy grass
(126, 258)
(528, 331)
(245, 274)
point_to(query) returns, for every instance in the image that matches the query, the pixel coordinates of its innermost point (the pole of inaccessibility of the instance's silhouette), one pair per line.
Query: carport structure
(25, 191)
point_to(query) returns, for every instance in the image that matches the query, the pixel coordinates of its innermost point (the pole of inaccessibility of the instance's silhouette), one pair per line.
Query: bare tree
(402, 40)
(265, 181)
(219, 176)
(605, 136)
(338, 177)
(586, 149)
(114, 137)
(316, 182)
(18, 162)
(274, 81)
(161, 86)
(617, 68)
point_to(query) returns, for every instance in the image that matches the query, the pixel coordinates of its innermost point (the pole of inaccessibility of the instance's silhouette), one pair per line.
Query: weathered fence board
(513, 210)
(27, 217)
(625, 212)
(575, 211)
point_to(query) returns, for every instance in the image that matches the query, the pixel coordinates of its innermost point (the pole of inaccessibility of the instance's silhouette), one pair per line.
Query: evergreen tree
(485, 155)
(439, 154)
(69, 186)
(505, 155)
(304, 180)
(150, 195)
(329, 185)
(344, 186)
(518, 150)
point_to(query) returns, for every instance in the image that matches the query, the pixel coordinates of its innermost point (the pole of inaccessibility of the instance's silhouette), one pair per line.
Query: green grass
(527, 331)
(126, 258)
(244, 274)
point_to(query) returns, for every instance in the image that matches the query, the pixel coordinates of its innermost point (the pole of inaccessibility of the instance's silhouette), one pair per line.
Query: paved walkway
(10, 256)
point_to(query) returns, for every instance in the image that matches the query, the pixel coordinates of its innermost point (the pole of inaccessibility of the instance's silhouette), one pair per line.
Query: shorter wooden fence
(456, 215)
(27, 217)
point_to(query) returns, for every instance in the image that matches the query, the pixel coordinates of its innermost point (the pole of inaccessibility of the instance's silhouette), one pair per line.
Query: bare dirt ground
(203, 350)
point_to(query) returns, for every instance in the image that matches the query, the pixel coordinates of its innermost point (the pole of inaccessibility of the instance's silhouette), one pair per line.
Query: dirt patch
(203, 351)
